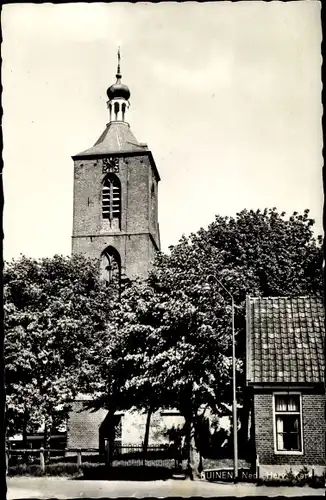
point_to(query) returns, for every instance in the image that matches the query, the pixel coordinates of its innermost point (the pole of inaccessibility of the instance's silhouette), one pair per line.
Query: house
(58, 440)
(89, 429)
(285, 373)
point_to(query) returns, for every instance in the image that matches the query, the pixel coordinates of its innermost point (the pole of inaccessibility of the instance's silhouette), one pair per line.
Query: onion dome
(118, 89)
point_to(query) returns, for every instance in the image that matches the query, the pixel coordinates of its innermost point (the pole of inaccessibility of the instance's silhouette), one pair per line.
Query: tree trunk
(148, 424)
(47, 438)
(188, 425)
(243, 437)
(111, 435)
(24, 430)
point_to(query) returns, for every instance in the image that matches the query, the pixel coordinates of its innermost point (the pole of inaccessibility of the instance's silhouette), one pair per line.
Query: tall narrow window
(288, 423)
(153, 206)
(123, 107)
(111, 198)
(116, 109)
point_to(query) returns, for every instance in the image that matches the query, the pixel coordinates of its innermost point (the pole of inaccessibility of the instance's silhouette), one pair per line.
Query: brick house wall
(314, 431)
(83, 426)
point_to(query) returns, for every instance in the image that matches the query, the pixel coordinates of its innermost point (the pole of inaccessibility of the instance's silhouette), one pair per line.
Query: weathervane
(118, 75)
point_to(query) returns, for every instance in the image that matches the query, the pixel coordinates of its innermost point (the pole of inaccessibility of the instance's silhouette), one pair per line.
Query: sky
(226, 95)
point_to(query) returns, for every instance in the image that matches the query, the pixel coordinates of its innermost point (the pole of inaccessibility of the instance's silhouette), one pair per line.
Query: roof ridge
(275, 297)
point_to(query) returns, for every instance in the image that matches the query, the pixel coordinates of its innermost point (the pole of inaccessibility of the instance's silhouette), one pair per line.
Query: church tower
(115, 195)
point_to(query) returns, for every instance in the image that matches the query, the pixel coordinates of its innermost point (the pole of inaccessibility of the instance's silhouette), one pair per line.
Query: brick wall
(83, 426)
(314, 429)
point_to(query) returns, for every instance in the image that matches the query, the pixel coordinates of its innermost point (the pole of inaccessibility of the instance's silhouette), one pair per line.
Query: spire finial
(118, 75)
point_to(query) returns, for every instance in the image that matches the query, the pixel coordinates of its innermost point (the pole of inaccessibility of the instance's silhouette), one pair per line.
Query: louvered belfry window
(111, 198)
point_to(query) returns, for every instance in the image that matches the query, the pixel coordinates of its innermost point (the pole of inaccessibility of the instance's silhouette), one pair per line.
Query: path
(64, 488)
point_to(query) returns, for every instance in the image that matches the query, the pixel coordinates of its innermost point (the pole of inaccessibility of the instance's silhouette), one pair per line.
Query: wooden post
(42, 462)
(79, 457)
(7, 460)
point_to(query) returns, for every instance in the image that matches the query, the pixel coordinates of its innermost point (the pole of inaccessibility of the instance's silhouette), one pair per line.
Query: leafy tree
(260, 253)
(165, 342)
(177, 334)
(54, 308)
(156, 356)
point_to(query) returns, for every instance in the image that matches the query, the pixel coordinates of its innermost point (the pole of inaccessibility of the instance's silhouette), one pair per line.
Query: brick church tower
(115, 195)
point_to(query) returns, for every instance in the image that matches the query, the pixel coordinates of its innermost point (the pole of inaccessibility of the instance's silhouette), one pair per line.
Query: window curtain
(281, 403)
(279, 431)
(287, 403)
(293, 403)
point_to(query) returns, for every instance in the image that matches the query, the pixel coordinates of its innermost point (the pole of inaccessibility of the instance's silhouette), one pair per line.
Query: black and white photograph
(164, 314)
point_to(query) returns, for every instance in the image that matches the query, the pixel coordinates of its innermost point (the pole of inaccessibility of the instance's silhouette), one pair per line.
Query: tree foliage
(176, 332)
(162, 342)
(54, 308)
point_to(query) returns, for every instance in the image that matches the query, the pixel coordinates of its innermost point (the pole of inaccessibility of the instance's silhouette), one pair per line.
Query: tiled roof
(116, 138)
(285, 340)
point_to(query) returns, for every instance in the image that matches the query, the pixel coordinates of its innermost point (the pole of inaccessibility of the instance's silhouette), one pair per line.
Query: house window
(288, 420)
(111, 198)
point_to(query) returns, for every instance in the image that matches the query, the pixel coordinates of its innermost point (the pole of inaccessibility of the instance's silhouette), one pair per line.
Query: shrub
(94, 471)
(60, 469)
(317, 481)
(25, 470)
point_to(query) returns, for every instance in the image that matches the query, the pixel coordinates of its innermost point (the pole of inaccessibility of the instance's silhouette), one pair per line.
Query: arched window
(111, 265)
(111, 197)
(116, 109)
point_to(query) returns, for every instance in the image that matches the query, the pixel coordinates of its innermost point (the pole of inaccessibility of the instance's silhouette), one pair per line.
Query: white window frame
(287, 452)
(111, 197)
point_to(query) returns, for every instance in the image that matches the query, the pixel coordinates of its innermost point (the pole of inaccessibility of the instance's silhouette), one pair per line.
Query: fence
(42, 457)
(158, 456)
(122, 455)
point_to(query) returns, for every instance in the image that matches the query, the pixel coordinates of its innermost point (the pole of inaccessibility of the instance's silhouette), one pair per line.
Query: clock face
(110, 165)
